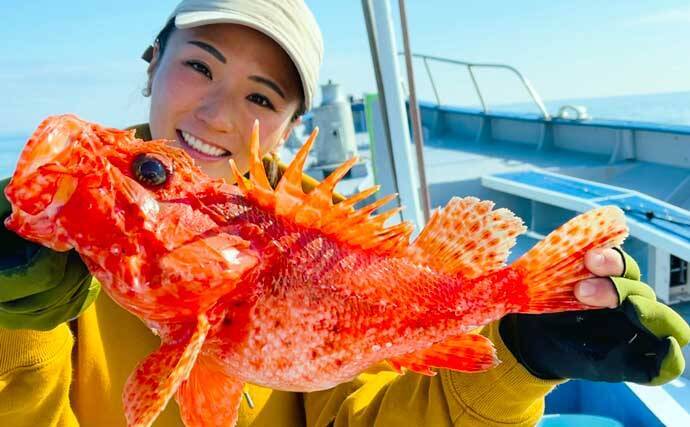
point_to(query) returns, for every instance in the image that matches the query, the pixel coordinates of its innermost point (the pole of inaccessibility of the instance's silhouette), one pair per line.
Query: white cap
(289, 23)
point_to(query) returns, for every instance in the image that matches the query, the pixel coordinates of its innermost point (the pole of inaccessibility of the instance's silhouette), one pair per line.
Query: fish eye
(149, 170)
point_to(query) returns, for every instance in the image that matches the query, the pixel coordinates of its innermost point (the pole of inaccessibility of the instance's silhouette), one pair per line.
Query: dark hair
(162, 38)
(162, 41)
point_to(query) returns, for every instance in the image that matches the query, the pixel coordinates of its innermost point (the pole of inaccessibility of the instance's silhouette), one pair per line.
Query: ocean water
(667, 108)
(10, 147)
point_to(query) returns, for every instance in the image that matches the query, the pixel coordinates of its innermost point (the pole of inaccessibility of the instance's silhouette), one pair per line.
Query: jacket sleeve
(504, 396)
(35, 377)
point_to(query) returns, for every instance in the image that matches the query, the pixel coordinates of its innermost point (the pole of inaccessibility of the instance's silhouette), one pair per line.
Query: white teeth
(205, 148)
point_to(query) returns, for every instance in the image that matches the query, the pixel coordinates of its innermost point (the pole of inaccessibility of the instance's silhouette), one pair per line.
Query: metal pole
(394, 108)
(414, 114)
(371, 32)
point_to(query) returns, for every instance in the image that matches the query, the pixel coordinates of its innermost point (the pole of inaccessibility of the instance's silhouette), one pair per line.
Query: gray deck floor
(449, 159)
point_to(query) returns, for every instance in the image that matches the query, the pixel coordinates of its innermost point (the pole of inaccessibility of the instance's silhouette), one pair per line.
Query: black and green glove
(639, 341)
(39, 288)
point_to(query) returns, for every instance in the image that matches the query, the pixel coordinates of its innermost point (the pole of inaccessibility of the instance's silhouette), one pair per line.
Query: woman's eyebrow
(210, 49)
(270, 83)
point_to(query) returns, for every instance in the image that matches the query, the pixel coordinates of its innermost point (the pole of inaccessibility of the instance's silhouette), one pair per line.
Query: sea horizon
(668, 108)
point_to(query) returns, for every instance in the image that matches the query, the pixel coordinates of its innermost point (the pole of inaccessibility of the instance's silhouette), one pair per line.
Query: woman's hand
(600, 291)
(634, 338)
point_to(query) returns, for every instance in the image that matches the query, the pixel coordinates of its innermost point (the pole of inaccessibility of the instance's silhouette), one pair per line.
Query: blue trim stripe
(531, 117)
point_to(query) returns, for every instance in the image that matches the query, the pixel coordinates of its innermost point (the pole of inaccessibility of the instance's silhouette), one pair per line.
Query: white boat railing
(470, 66)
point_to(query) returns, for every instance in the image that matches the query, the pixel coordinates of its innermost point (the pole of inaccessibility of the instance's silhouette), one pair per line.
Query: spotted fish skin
(277, 287)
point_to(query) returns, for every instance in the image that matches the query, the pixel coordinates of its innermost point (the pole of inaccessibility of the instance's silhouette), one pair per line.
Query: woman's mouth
(200, 149)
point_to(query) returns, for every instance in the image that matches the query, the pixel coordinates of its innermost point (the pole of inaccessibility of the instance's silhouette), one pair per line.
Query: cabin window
(679, 272)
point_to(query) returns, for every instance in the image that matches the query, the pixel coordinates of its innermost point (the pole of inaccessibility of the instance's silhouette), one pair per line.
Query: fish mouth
(201, 149)
(47, 175)
(47, 170)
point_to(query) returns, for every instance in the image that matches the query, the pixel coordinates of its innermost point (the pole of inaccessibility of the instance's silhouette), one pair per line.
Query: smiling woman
(207, 89)
(216, 67)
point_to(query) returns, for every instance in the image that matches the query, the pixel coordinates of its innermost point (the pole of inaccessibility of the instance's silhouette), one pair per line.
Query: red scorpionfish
(287, 290)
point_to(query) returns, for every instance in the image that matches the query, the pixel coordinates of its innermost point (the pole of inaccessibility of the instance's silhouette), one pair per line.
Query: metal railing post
(433, 84)
(530, 90)
(535, 97)
(476, 87)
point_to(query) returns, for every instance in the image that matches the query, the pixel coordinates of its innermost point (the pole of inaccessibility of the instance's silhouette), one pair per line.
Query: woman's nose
(216, 111)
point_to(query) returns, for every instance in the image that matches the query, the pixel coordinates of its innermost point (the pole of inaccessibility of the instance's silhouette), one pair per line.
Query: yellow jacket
(74, 375)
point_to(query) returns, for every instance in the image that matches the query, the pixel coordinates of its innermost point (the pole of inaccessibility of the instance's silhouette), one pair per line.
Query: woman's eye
(261, 101)
(201, 68)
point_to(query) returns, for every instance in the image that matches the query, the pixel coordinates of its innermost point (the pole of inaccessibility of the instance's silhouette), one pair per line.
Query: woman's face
(209, 86)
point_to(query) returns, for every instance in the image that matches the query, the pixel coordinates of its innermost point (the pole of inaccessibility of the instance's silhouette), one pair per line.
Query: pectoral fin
(209, 397)
(209, 265)
(157, 377)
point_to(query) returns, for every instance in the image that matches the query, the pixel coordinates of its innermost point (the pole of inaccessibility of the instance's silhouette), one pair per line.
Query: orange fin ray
(554, 265)
(316, 209)
(464, 353)
(209, 396)
(334, 178)
(467, 237)
(370, 208)
(385, 216)
(239, 179)
(322, 195)
(353, 200)
(157, 377)
(289, 194)
(257, 172)
(340, 216)
(292, 177)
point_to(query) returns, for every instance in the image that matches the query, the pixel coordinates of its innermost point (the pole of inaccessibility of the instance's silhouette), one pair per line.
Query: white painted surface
(660, 272)
(669, 402)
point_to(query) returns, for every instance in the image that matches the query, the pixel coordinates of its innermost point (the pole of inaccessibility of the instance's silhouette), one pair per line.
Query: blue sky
(82, 56)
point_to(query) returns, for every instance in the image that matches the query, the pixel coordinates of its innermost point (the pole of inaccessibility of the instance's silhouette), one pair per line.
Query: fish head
(132, 209)
(76, 179)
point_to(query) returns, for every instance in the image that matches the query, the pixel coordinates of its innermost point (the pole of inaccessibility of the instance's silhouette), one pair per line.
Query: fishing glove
(39, 288)
(639, 341)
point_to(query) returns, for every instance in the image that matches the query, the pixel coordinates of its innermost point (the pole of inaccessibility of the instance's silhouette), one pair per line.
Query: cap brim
(148, 54)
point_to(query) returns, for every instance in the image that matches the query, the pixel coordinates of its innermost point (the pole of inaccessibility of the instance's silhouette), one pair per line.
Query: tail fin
(553, 266)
